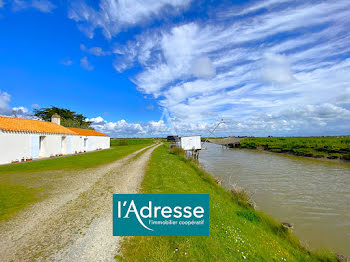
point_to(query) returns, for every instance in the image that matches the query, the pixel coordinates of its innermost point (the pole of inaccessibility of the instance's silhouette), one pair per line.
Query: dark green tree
(68, 117)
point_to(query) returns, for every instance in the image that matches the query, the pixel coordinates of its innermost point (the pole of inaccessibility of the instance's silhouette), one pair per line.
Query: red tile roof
(86, 132)
(38, 126)
(30, 125)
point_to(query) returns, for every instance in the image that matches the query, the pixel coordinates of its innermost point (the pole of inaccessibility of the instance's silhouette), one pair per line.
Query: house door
(42, 152)
(64, 145)
(35, 146)
(69, 145)
(90, 144)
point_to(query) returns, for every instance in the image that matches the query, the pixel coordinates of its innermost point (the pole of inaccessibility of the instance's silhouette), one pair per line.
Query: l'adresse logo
(161, 215)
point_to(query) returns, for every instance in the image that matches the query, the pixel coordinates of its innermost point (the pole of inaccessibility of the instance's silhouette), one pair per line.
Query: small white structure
(26, 139)
(191, 143)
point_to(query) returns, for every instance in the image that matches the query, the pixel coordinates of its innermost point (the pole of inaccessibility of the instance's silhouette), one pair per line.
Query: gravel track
(75, 223)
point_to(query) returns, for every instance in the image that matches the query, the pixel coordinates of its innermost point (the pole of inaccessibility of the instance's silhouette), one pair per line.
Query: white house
(26, 139)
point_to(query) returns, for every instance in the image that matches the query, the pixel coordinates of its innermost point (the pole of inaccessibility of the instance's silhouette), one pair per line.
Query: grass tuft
(249, 215)
(242, 197)
(175, 150)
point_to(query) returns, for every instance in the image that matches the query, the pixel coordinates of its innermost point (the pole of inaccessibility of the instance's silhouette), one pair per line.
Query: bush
(175, 150)
(123, 142)
(346, 157)
(242, 197)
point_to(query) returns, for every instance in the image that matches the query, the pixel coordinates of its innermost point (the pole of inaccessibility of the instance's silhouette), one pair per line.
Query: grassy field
(25, 183)
(131, 141)
(318, 147)
(237, 231)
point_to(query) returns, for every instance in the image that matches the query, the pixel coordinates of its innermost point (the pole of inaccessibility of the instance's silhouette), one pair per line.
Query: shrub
(242, 197)
(177, 151)
(123, 142)
(346, 157)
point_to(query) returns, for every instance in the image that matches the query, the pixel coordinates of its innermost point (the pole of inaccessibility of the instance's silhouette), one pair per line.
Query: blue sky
(153, 68)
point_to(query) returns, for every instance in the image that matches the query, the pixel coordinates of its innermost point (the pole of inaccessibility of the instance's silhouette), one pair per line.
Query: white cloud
(96, 120)
(276, 69)
(82, 47)
(150, 107)
(343, 99)
(203, 68)
(21, 112)
(19, 5)
(122, 128)
(35, 106)
(97, 51)
(114, 15)
(267, 4)
(117, 129)
(42, 5)
(7, 110)
(2, 3)
(4, 103)
(86, 64)
(67, 62)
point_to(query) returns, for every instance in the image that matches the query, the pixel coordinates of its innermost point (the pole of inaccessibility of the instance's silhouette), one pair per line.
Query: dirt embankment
(74, 223)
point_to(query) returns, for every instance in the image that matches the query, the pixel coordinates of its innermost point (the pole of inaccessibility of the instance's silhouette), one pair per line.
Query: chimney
(56, 119)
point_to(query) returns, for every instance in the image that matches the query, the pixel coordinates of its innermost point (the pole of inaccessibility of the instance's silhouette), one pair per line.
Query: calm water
(312, 195)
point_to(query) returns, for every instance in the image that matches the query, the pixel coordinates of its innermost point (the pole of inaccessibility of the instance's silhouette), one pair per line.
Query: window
(85, 143)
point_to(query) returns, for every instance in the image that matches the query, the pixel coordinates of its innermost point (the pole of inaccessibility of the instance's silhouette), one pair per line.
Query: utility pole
(221, 121)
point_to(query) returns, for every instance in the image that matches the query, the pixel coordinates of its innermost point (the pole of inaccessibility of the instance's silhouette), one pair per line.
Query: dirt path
(75, 224)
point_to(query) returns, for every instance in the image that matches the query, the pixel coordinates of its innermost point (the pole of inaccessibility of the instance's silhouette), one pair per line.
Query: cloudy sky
(152, 68)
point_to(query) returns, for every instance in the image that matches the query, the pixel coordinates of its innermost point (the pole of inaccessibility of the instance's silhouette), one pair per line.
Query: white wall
(77, 144)
(93, 143)
(17, 145)
(101, 142)
(14, 146)
(52, 145)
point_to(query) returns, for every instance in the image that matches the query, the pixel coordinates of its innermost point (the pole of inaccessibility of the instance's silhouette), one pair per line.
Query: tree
(68, 118)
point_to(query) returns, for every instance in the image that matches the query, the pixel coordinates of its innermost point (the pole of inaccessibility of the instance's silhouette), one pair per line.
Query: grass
(318, 147)
(79, 161)
(130, 141)
(237, 231)
(140, 153)
(14, 198)
(25, 183)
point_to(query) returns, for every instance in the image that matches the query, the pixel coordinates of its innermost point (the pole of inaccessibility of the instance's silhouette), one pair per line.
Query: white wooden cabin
(191, 143)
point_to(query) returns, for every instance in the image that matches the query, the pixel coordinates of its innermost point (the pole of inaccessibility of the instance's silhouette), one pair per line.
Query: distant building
(191, 143)
(172, 139)
(27, 139)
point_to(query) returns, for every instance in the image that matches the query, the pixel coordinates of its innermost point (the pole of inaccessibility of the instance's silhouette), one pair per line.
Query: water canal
(312, 195)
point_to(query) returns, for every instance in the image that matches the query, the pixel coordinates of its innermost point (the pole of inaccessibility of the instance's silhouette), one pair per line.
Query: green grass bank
(237, 231)
(317, 147)
(25, 183)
